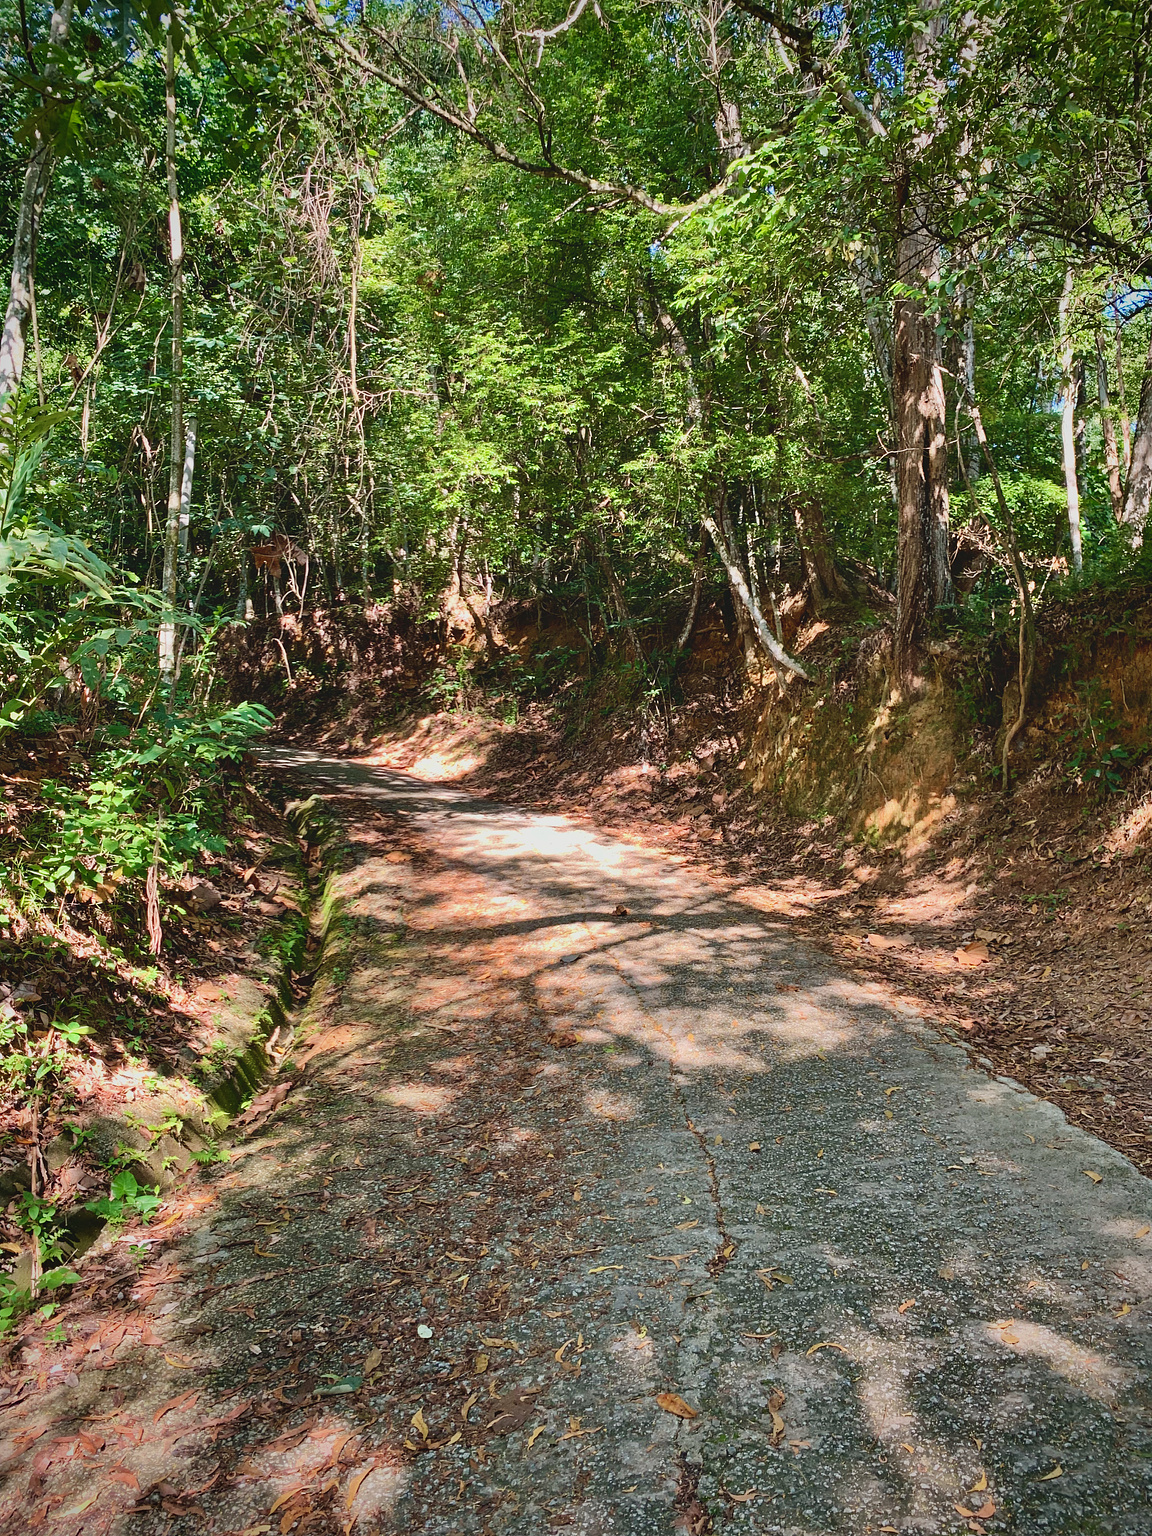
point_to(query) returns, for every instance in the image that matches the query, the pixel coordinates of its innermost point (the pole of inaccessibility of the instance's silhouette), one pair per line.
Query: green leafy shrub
(126, 1200)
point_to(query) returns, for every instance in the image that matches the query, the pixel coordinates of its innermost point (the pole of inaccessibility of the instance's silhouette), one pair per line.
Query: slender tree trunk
(694, 602)
(186, 483)
(176, 443)
(968, 363)
(919, 402)
(353, 300)
(1125, 424)
(616, 595)
(36, 343)
(1108, 428)
(1068, 421)
(746, 598)
(37, 175)
(1138, 487)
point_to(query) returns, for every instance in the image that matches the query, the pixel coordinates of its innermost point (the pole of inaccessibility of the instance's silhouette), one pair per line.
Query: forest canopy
(322, 305)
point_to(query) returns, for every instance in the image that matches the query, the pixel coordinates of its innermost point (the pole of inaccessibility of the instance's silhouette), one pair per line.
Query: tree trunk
(1125, 424)
(1068, 421)
(176, 444)
(616, 595)
(36, 178)
(1108, 428)
(694, 602)
(746, 599)
(353, 382)
(919, 403)
(186, 484)
(824, 580)
(923, 580)
(968, 362)
(1138, 487)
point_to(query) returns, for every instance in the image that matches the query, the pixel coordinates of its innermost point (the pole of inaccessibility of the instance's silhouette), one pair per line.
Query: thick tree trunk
(1068, 421)
(923, 579)
(28, 215)
(824, 581)
(176, 443)
(1108, 428)
(1138, 488)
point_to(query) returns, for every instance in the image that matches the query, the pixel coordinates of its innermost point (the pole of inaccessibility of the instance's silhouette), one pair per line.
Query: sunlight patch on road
(421, 1098)
(610, 1106)
(1084, 1368)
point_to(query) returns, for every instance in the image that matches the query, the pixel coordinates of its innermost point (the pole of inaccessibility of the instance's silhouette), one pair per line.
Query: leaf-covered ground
(601, 1201)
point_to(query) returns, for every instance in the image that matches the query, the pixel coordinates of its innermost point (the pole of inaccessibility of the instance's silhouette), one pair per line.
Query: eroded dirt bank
(580, 1218)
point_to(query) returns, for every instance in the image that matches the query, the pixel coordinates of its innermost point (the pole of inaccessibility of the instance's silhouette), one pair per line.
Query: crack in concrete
(726, 1245)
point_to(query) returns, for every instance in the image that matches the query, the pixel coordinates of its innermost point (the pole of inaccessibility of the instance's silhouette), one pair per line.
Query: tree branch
(468, 124)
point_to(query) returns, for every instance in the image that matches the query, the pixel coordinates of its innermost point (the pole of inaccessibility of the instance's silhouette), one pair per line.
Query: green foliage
(1094, 762)
(127, 1200)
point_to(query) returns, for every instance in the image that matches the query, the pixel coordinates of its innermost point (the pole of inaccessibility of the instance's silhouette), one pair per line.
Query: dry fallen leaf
(972, 954)
(480, 1364)
(827, 1344)
(1124, 1310)
(574, 1432)
(354, 1486)
(620, 910)
(511, 1411)
(1143, 1232)
(600, 1268)
(86, 1501)
(418, 1423)
(906, 1306)
(671, 1258)
(883, 941)
(185, 1400)
(775, 1403)
(1056, 1471)
(372, 1360)
(1097, 1178)
(986, 1510)
(980, 1484)
(672, 1402)
(754, 1146)
(287, 1496)
(535, 1435)
(741, 1498)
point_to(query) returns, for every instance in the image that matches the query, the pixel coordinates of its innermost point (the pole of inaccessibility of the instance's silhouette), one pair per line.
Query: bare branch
(802, 40)
(546, 34)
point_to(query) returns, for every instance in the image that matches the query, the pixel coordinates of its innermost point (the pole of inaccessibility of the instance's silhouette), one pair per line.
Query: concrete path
(646, 1221)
